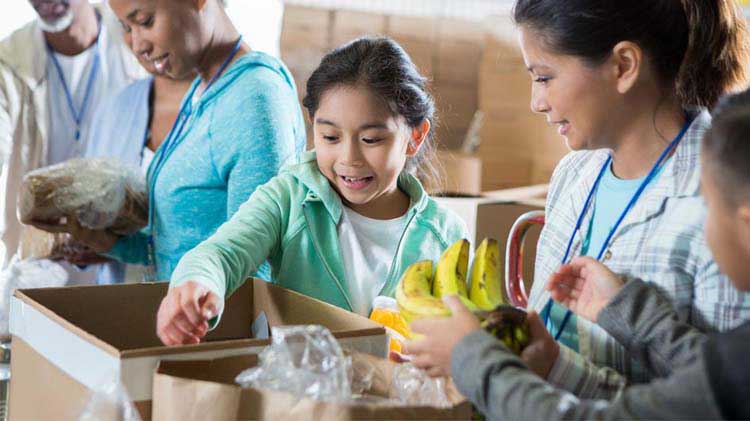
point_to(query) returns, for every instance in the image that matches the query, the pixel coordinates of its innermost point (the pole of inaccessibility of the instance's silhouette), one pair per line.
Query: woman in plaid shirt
(628, 85)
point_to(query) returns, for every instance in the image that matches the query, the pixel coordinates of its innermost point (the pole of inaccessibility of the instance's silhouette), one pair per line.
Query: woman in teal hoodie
(240, 121)
(342, 225)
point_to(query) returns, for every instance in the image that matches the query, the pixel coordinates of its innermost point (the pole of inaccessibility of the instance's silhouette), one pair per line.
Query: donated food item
(419, 292)
(385, 311)
(100, 193)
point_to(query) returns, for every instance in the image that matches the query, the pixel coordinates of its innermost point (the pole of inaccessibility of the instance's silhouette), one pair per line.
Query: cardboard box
(518, 147)
(493, 217)
(209, 386)
(350, 25)
(462, 174)
(68, 341)
(306, 27)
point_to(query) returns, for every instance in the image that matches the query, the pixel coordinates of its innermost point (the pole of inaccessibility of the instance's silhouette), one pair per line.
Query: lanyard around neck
(78, 114)
(650, 177)
(174, 137)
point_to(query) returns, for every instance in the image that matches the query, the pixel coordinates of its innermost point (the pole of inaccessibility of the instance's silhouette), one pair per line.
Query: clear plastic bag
(413, 387)
(305, 361)
(110, 402)
(101, 193)
(30, 273)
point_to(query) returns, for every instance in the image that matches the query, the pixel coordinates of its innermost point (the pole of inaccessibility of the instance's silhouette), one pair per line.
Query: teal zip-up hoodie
(292, 222)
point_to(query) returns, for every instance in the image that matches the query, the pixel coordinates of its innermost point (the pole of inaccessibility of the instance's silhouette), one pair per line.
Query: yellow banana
(413, 294)
(450, 274)
(414, 298)
(485, 290)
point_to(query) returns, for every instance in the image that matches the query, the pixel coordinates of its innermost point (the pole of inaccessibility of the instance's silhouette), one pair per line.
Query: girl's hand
(184, 314)
(433, 351)
(585, 286)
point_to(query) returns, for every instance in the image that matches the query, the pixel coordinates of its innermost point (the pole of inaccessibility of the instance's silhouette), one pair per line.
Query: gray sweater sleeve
(502, 388)
(644, 321)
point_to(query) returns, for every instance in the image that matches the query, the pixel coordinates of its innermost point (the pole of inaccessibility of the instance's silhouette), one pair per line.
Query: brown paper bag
(201, 390)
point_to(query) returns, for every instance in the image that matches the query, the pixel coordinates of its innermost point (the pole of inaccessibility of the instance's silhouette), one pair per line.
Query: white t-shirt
(367, 247)
(77, 71)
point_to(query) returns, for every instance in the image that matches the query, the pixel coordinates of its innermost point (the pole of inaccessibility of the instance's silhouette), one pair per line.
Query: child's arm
(216, 267)
(644, 321)
(635, 313)
(501, 387)
(226, 259)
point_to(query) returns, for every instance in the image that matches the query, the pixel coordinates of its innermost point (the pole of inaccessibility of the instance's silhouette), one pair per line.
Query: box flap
(285, 307)
(220, 370)
(121, 319)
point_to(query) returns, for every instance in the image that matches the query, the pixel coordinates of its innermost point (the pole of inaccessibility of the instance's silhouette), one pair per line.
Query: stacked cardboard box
(447, 51)
(458, 54)
(518, 147)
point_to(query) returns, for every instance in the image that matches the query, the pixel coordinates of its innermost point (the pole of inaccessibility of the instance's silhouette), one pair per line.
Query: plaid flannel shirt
(660, 241)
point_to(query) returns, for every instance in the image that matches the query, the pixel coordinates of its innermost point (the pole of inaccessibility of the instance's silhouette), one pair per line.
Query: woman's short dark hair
(726, 146)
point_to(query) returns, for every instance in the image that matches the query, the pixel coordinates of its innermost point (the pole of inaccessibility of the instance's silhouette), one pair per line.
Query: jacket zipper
(325, 264)
(389, 281)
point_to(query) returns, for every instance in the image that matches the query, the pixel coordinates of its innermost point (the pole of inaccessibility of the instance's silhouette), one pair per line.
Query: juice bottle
(385, 311)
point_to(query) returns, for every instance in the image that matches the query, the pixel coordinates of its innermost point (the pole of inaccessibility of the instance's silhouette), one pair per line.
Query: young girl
(342, 225)
(627, 83)
(701, 377)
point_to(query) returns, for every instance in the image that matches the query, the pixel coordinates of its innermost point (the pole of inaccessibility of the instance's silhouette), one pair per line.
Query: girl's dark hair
(699, 48)
(381, 65)
(726, 146)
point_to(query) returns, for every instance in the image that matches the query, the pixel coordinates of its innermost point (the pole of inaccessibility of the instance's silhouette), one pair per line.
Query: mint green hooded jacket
(291, 222)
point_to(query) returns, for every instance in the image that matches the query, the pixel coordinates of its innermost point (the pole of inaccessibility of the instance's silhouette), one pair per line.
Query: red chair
(514, 285)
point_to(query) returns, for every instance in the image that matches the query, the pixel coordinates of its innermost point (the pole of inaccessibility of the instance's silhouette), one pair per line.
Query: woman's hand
(433, 351)
(184, 314)
(82, 257)
(100, 241)
(584, 286)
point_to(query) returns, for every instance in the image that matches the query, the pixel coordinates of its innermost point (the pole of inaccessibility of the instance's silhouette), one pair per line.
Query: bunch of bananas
(419, 292)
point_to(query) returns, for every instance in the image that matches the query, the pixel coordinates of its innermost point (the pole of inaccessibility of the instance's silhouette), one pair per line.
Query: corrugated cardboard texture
(461, 174)
(41, 391)
(518, 147)
(202, 390)
(44, 392)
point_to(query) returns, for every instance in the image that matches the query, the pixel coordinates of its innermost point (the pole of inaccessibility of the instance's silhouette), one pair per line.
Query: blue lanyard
(654, 170)
(78, 115)
(173, 139)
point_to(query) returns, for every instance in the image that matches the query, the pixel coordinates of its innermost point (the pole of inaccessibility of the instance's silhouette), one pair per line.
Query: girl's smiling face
(362, 148)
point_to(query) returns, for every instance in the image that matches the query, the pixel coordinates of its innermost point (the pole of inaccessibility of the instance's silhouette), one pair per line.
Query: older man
(54, 74)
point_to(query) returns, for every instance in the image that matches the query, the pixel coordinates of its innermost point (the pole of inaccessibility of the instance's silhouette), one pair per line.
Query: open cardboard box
(69, 341)
(209, 388)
